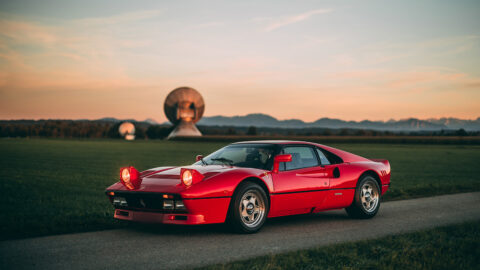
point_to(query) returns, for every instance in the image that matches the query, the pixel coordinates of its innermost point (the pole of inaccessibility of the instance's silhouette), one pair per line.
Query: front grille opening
(180, 217)
(149, 202)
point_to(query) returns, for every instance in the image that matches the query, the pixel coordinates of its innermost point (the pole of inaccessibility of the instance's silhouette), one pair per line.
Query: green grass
(450, 247)
(57, 186)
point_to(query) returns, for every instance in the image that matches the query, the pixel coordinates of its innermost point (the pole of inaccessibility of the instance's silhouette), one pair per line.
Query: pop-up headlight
(190, 177)
(130, 177)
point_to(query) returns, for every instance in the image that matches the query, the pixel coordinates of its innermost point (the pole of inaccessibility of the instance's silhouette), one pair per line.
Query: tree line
(143, 130)
(78, 129)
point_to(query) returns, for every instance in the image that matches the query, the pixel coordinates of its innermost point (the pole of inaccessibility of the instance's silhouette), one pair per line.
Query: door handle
(313, 175)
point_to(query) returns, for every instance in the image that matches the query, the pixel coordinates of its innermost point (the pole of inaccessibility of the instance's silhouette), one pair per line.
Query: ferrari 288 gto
(245, 183)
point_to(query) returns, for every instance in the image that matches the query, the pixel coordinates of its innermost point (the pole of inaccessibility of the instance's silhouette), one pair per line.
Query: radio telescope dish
(127, 130)
(184, 107)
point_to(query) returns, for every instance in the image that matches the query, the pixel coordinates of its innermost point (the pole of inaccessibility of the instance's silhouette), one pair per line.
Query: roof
(345, 156)
(275, 142)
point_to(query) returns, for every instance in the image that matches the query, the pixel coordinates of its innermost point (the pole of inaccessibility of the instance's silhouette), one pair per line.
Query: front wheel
(249, 209)
(367, 199)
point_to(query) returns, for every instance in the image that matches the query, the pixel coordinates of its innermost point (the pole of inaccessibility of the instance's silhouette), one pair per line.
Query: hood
(168, 179)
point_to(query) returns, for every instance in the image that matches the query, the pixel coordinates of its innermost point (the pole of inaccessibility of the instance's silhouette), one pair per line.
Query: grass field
(450, 247)
(57, 186)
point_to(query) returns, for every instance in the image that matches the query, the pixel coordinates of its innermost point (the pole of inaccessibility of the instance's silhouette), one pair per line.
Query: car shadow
(306, 219)
(224, 228)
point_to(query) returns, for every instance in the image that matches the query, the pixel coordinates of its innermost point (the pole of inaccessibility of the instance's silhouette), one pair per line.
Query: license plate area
(122, 213)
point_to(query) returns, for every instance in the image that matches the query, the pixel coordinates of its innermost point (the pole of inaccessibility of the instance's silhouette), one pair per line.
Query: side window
(302, 157)
(323, 159)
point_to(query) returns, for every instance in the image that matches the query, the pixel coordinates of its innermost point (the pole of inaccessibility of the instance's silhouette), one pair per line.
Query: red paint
(298, 191)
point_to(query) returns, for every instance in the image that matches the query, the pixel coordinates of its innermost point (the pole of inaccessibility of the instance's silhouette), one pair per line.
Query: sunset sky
(351, 60)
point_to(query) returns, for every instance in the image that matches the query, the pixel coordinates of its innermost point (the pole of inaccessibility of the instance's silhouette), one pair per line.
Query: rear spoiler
(384, 161)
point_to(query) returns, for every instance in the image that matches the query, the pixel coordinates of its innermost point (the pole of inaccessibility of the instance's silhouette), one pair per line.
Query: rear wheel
(249, 208)
(367, 199)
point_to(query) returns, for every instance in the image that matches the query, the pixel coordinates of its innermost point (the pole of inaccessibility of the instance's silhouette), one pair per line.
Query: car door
(299, 186)
(341, 179)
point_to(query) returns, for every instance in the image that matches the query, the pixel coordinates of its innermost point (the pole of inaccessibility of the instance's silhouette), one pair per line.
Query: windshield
(259, 156)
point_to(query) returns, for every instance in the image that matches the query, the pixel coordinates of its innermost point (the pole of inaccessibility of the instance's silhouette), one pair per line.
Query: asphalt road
(168, 247)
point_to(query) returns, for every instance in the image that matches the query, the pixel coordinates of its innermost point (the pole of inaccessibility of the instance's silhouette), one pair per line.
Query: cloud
(343, 60)
(294, 19)
(83, 52)
(207, 25)
(121, 18)
(24, 32)
(435, 47)
(426, 80)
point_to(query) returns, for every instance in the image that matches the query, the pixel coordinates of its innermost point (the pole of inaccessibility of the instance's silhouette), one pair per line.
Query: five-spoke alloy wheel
(367, 198)
(249, 208)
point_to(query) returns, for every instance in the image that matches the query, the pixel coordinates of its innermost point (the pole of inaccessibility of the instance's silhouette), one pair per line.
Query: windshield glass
(259, 156)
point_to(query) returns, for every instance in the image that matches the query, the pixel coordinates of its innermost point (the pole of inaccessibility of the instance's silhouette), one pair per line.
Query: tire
(367, 199)
(249, 208)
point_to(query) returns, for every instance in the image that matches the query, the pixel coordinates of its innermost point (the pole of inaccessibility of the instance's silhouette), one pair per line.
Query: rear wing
(384, 162)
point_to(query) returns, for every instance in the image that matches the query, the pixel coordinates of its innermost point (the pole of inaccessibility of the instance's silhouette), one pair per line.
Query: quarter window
(323, 159)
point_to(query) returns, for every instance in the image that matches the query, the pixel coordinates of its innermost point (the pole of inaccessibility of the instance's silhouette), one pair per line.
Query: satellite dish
(184, 107)
(127, 130)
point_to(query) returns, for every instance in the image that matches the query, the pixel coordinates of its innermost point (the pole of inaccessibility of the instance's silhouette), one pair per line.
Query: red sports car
(244, 183)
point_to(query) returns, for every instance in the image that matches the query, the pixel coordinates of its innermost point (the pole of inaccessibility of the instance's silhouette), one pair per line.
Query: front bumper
(167, 218)
(198, 211)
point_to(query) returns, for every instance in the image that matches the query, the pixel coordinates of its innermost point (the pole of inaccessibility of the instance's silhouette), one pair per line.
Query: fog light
(119, 201)
(168, 204)
(179, 205)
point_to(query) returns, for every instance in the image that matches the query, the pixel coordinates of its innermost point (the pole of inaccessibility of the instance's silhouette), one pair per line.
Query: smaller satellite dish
(127, 130)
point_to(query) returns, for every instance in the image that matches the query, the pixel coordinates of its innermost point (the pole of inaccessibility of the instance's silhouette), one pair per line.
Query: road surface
(169, 247)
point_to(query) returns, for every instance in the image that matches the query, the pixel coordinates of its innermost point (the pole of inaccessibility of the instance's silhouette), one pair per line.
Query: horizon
(229, 116)
(350, 60)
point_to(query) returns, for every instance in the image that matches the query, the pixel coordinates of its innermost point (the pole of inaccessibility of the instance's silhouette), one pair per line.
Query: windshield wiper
(223, 160)
(203, 162)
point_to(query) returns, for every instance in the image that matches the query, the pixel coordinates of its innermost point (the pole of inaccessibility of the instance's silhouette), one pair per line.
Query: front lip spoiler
(166, 218)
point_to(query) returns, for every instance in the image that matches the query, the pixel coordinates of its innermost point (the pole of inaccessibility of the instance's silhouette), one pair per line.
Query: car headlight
(130, 177)
(187, 177)
(126, 175)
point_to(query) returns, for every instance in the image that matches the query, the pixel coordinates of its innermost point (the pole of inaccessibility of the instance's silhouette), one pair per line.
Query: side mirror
(199, 157)
(280, 158)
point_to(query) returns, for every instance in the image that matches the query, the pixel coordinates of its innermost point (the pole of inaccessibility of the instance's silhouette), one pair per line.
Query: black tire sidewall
(359, 210)
(235, 219)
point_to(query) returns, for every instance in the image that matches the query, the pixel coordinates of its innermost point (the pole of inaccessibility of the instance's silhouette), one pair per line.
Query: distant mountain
(257, 119)
(115, 120)
(150, 121)
(264, 120)
(411, 124)
(455, 123)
